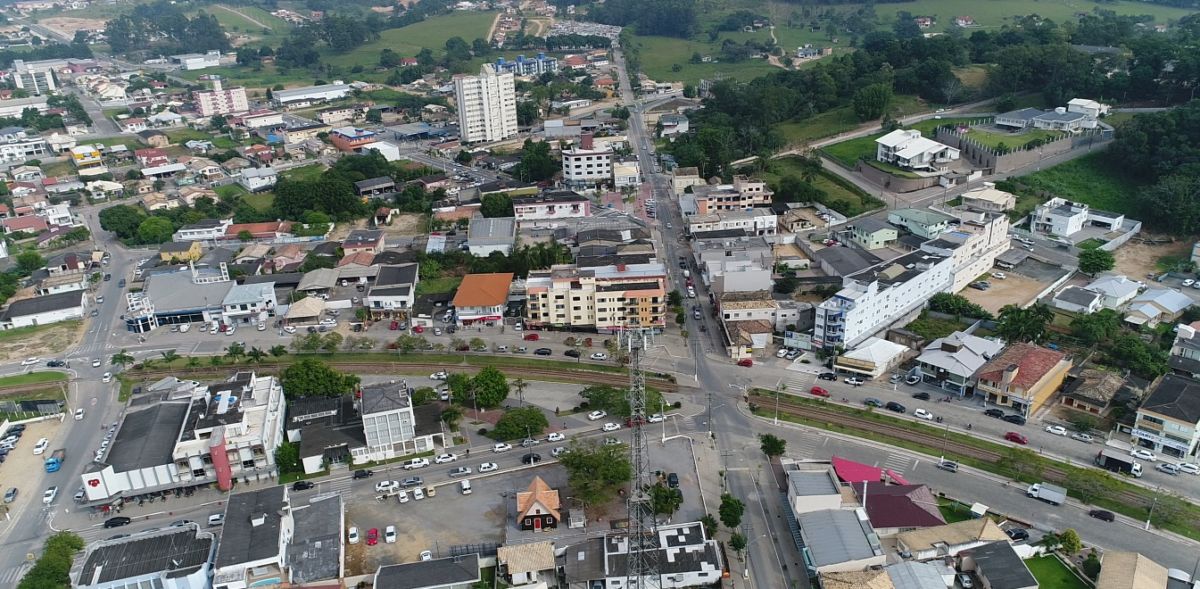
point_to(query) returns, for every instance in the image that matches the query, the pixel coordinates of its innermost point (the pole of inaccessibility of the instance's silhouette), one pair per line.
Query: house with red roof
(28, 224)
(152, 157)
(1024, 377)
(265, 230)
(899, 508)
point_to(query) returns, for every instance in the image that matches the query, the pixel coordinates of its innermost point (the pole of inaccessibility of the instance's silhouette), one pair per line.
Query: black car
(572, 353)
(1017, 534)
(302, 485)
(994, 413)
(121, 283)
(1014, 419)
(894, 406)
(673, 480)
(116, 522)
(872, 402)
(1103, 515)
(921, 396)
(531, 458)
(362, 474)
(542, 352)
(56, 364)
(107, 277)
(827, 376)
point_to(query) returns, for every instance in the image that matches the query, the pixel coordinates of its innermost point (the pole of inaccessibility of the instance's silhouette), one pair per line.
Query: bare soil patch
(43, 341)
(1136, 260)
(1014, 290)
(68, 25)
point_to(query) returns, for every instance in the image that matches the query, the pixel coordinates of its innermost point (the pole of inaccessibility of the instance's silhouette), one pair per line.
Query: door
(537, 524)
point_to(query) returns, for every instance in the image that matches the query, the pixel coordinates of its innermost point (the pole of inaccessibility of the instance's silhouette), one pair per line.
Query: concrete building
(951, 361)
(44, 310)
(1130, 570)
(1023, 377)
(522, 66)
(603, 298)
(907, 149)
(1087, 107)
(36, 78)
(1064, 218)
(203, 230)
(394, 291)
(872, 300)
(924, 223)
(488, 235)
(755, 222)
(686, 558)
(300, 97)
(390, 426)
(742, 195)
(197, 61)
(316, 552)
(219, 101)
(815, 489)
(254, 538)
(587, 165)
(1114, 291)
(973, 246)
(455, 572)
(1168, 422)
(1157, 305)
(17, 147)
(998, 566)
(176, 297)
(168, 558)
(950, 539)
(482, 298)
(247, 304)
(487, 105)
(987, 198)
(1076, 299)
(351, 139)
(872, 358)
(839, 540)
(872, 233)
(551, 205)
(258, 179)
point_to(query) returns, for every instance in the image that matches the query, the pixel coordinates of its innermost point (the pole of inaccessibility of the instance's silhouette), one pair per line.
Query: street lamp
(1153, 504)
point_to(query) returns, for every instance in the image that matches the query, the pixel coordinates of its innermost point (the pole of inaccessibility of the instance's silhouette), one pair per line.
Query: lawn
(1051, 572)
(24, 332)
(1011, 140)
(850, 151)
(954, 512)
(255, 77)
(932, 328)
(992, 15)
(32, 378)
(438, 285)
(660, 55)
(261, 201)
(407, 41)
(181, 136)
(1089, 179)
(277, 28)
(304, 173)
(840, 196)
(842, 120)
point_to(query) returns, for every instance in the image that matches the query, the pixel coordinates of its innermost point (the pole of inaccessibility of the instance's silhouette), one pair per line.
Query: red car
(532, 337)
(372, 536)
(746, 362)
(418, 329)
(820, 392)
(394, 325)
(1015, 437)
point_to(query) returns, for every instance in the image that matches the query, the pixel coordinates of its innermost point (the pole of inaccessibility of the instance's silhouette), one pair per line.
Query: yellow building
(604, 298)
(86, 156)
(1023, 376)
(181, 251)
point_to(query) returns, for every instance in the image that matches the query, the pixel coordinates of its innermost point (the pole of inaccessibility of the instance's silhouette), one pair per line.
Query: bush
(677, 405)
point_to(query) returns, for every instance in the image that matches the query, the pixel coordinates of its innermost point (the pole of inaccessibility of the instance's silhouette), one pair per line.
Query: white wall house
(1064, 218)
(487, 105)
(906, 148)
(249, 303)
(256, 179)
(389, 424)
(44, 310)
(559, 204)
(203, 230)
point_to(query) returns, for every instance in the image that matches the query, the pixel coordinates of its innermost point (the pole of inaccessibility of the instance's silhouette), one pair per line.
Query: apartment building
(487, 105)
(219, 101)
(874, 299)
(18, 147)
(34, 77)
(1169, 419)
(1064, 218)
(1024, 377)
(973, 246)
(603, 298)
(586, 165)
(555, 204)
(744, 194)
(523, 66)
(758, 222)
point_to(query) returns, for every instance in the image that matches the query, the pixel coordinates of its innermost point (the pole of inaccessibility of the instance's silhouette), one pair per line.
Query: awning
(245, 454)
(896, 478)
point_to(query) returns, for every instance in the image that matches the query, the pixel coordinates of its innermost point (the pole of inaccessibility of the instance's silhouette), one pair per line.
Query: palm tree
(256, 354)
(121, 358)
(193, 362)
(278, 350)
(520, 385)
(235, 351)
(170, 356)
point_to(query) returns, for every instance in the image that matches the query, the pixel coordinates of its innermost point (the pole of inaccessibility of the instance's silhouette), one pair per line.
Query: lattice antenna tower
(642, 563)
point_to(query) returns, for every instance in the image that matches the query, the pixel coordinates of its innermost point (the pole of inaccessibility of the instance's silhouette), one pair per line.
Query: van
(465, 485)
(216, 519)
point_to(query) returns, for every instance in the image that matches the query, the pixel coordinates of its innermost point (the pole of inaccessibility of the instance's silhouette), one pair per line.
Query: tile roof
(1032, 362)
(857, 580)
(1130, 570)
(856, 472)
(363, 258)
(539, 493)
(524, 558)
(483, 290)
(955, 534)
(900, 506)
(1177, 397)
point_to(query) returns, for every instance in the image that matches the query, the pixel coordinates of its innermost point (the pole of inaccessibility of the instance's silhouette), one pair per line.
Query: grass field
(990, 15)
(659, 55)
(407, 41)
(180, 136)
(32, 378)
(850, 151)
(1089, 179)
(1051, 572)
(1011, 140)
(261, 201)
(841, 197)
(439, 285)
(841, 120)
(304, 173)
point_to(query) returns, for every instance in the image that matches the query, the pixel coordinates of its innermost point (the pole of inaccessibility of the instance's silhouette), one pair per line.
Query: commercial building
(177, 557)
(742, 195)
(551, 205)
(316, 552)
(906, 148)
(455, 572)
(521, 66)
(754, 222)
(1168, 421)
(951, 361)
(587, 165)
(189, 296)
(686, 558)
(1024, 377)
(15, 107)
(839, 540)
(36, 78)
(219, 101)
(44, 310)
(972, 246)
(487, 105)
(349, 139)
(488, 235)
(390, 426)
(394, 291)
(871, 300)
(482, 298)
(603, 298)
(197, 61)
(249, 304)
(17, 147)
(254, 539)
(301, 97)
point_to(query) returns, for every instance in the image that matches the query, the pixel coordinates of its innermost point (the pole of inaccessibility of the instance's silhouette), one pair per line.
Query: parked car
(439, 375)
(921, 396)
(501, 447)
(827, 376)
(1017, 534)
(818, 391)
(923, 414)
(387, 486)
(599, 356)
(10, 495)
(997, 413)
(389, 535)
(1082, 437)
(872, 402)
(1016, 438)
(854, 381)
(965, 581)
(352, 535)
(947, 465)
(410, 482)
(673, 480)
(894, 406)
(1144, 454)
(1189, 468)
(416, 463)
(116, 522)
(912, 380)
(303, 485)
(542, 352)
(596, 415)
(745, 362)
(1015, 419)
(1103, 515)
(1057, 430)
(573, 353)
(79, 414)
(50, 494)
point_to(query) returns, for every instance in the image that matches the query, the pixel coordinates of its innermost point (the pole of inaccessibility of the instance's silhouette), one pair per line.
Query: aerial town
(599, 294)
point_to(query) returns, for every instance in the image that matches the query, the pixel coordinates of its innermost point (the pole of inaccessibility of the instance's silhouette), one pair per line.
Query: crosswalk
(10, 576)
(899, 464)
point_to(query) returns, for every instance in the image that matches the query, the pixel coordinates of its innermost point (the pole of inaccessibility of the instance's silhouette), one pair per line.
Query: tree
(710, 525)
(1095, 261)
(674, 299)
(737, 542)
(169, 356)
(451, 416)
(1024, 462)
(536, 162)
(155, 230)
(1070, 541)
(595, 471)
(1098, 327)
(29, 261)
(245, 235)
(331, 342)
(1091, 566)
(490, 387)
(121, 358)
(520, 385)
(496, 205)
(1024, 325)
(957, 305)
(407, 344)
(477, 343)
(278, 350)
(463, 157)
(520, 423)
(313, 378)
(615, 401)
(772, 445)
(235, 351)
(1089, 483)
(665, 500)
(53, 568)
(256, 354)
(731, 511)
(287, 458)
(870, 102)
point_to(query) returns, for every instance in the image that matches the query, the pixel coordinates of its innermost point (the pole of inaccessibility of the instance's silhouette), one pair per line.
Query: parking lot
(21, 461)
(1015, 289)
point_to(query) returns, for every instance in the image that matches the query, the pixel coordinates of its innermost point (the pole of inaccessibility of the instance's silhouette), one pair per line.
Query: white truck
(1052, 494)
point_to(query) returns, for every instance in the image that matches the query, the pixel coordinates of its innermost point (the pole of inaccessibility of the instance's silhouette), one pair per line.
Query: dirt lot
(1136, 260)
(68, 25)
(45, 341)
(13, 473)
(1015, 290)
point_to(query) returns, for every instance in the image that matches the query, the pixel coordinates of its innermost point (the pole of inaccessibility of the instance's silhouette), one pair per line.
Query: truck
(1052, 494)
(1115, 461)
(55, 460)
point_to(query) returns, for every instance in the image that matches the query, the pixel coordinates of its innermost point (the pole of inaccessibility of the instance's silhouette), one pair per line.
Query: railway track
(1051, 472)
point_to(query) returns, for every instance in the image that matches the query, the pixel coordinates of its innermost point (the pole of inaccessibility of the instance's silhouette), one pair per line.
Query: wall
(1129, 232)
(985, 157)
(894, 183)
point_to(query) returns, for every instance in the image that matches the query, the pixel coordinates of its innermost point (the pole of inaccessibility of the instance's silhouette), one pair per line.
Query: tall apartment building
(487, 105)
(585, 165)
(604, 298)
(973, 246)
(33, 78)
(219, 101)
(744, 194)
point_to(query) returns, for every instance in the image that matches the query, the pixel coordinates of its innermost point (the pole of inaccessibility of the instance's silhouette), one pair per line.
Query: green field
(1051, 572)
(850, 151)
(1089, 179)
(1011, 140)
(261, 201)
(841, 197)
(439, 285)
(181, 136)
(993, 15)
(304, 173)
(842, 120)
(407, 41)
(32, 378)
(659, 55)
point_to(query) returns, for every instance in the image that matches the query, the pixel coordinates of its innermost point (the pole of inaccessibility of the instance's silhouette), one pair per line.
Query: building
(1076, 299)
(301, 97)
(197, 61)
(988, 198)
(17, 147)
(587, 165)
(529, 563)
(219, 101)
(673, 124)
(1087, 107)
(1114, 291)
(923, 223)
(542, 64)
(254, 538)
(894, 509)
(872, 358)
(756, 222)
(951, 361)
(455, 572)
(1064, 218)
(316, 551)
(873, 299)
(177, 557)
(482, 298)
(999, 567)
(1157, 305)
(87, 156)
(390, 426)
(371, 241)
(839, 540)
(203, 230)
(249, 304)
(872, 233)
(1060, 119)
(394, 291)
(202, 434)
(538, 507)
(487, 105)
(686, 558)
(744, 194)
(973, 246)
(950, 539)
(1130, 570)
(44, 310)
(488, 235)
(374, 186)
(189, 296)
(550, 205)
(258, 179)
(601, 298)
(350, 139)
(906, 148)
(626, 174)
(180, 251)
(1168, 422)
(1023, 377)
(36, 78)
(1094, 391)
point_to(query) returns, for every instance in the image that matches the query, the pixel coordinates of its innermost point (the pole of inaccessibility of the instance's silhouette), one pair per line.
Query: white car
(96, 363)
(387, 486)
(999, 275)
(418, 494)
(923, 414)
(610, 427)
(596, 415)
(445, 458)
(289, 329)
(488, 467)
(556, 437)
(30, 361)
(262, 327)
(599, 356)
(416, 463)
(352, 535)
(41, 446)
(781, 353)
(389, 534)
(1082, 437)
(79, 414)
(1189, 282)
(107, 377)
(1144, 454)
(329, 322)
(402, 496)
(854, 380)
(49, 495)
(501, 447)
(657, 418)
(426, 555)
(1057, 430)
(1168, 468)
(559, 451)
(439, 375)
(1189, 468)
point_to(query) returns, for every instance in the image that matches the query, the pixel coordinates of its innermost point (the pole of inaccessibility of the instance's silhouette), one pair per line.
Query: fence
(1120, 240)
(1021, 156)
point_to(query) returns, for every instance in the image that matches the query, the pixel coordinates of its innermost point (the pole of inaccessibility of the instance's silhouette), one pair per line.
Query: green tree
(278, 350)
(235, 351)
(772, 445)
(155, 230)
(870, 102)
(331, 342)
(496, 205)
(1089, 484)
(245, 236)
(1097, 327)
(170, 356)
(1070, 541)
(710, 525)
(464, 158)
(490, 387)
(477, 343)
(451, 416)
(256, 354)
(313, 378)
(29, 261)
(1095, 261)
(674, 299)
(519, 423)
(1024, 462)
(731, 511)
(536, 162)
(407, 344)
(287, 458)
(121, 358)
(615, 401)
(595, 471)
(1024, 325)
(958, 305)
(737, 542)
(52, 569)
(1091, 566)
(665, 500)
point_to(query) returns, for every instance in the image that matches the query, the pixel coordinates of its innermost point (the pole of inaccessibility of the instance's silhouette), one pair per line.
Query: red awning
(856, 472)
(896, 478)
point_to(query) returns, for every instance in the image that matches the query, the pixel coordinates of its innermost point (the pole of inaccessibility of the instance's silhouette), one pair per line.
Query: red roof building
(151, 157)
(899, 507)
(28, 223)
(1024, 376)
(264, 230)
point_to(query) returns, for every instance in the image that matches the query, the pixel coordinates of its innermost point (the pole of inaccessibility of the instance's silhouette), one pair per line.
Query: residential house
(1024, 377)
(356, 261)
(989, 198)
(1076, 299)
(964, 21)
(924, 223)
(26, 224)
(27, 174)
(743, 194)
(999, 566)
(249, 304)
(756, 222)
(872, 358)
(173, 558)
(482, 298)
(1168, 422)
(603, 298)
(1094, 391)
(906, 148)
(390, 426)
(1157, 305)
(949, 540)
(257, 527)
(87, 156)
(529, 563)
(1114, 291)
(893, 509)
(550, 205)
(1130, 570)
(69, 263)
(1064, 218)
(258, 179)
(673, 124)
(951, 361)
(288, 257)
(394, 291)
(151, 157)
(1087, 107)
(683, 178)
(872, 233)
(56, 284)
(349, 139)
(486, 235)
(340, 114)
(839, 540)
(455, 572)
(203, 230)
(538, 507)
(364, 240)
(44, 310)
(180, 251)
(265, 230)
(1185, 350)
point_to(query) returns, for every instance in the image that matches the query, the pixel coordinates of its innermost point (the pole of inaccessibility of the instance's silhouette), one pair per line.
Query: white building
(256, 179)
(389, 425)
(1168, 421)
(486, 236)
(487, 105)
(482, 298)
(988, 198)
(1076, 299)
(686, 558)
(626, 174)
(874, 299)
(249, 303)
(18, 148)
(951, 361)
(175, 557)
(14, 107)
(203, 230)
(34, 77)
(872, 358)
(299, 97)
(219, 101)
(1087, 107)
(906, 148)
(758, 222)
(973, 246)
(1064, 218)
(1115, 291)
(44, 310)
(587, 165)
(197, 61)
(394, 289)
(557, 204)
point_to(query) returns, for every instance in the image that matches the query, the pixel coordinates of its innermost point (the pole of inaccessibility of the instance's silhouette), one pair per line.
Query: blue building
(529, 67)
